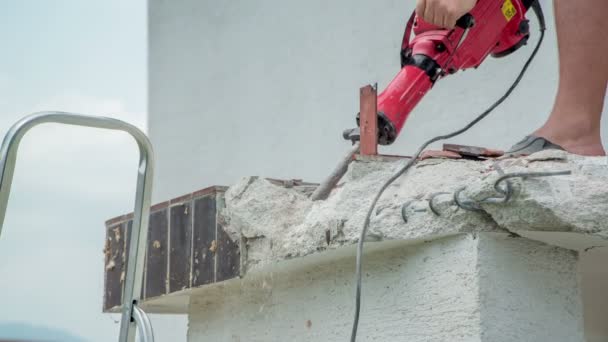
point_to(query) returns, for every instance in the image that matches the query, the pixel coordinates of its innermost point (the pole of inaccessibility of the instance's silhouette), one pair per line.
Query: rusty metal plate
(369, 120)
(473, 151)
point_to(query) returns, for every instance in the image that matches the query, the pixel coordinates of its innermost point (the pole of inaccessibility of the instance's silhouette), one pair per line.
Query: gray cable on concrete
(415, 157)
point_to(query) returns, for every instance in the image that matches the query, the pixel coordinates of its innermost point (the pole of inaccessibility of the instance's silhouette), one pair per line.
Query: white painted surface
(529, 291)
(464, 288)
(266, 87)
(595, 289)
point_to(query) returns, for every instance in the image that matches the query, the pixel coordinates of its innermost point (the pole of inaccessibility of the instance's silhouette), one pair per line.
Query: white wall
(266, 87)
(443, 290)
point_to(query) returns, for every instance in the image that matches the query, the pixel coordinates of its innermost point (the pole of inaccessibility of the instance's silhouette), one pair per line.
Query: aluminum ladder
(133, 317)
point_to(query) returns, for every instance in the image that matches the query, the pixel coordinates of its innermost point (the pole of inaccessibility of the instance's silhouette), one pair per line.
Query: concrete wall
(444, 290)
(266, 87)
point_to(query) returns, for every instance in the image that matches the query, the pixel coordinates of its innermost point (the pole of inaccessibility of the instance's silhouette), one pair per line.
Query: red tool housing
(493, 27)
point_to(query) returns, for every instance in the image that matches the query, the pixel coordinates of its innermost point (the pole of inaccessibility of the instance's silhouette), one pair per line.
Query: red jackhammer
(493, 27)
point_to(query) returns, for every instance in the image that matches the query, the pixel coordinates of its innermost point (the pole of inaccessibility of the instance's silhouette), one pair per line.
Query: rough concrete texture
(528, 291)
(276, 223)
(317, 304)
(444, 290)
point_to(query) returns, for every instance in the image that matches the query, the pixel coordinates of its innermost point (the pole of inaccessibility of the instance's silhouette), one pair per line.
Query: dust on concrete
(276, 223)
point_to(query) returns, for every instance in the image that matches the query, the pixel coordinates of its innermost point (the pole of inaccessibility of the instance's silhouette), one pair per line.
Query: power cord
(539, 14)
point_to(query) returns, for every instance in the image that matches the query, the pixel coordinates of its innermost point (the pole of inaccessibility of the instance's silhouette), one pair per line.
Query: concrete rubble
(275, 223)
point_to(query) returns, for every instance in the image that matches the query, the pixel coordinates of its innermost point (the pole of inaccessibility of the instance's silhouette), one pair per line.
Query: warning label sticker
(508, 10)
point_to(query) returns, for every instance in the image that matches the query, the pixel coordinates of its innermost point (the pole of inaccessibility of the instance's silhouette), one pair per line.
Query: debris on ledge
(275, 223)
(203, 240)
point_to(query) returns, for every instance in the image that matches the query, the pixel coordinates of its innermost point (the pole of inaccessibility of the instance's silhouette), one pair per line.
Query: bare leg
(582, 37)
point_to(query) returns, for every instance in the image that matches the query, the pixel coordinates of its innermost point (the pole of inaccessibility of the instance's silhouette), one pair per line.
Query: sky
(83, 56)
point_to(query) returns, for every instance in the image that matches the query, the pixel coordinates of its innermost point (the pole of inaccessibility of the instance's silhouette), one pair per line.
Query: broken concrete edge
(161, 266)
(277, 227)
(379, 157)
(275, 224)
(287, 183)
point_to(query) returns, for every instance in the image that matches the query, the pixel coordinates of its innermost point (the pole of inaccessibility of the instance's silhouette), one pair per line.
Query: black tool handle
(466, 21)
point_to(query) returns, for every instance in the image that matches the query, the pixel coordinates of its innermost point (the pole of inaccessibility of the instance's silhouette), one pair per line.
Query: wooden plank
(156, 265)
(204, 241)
(228, 253)
(180, 247)
(114, 266)
(228, 256)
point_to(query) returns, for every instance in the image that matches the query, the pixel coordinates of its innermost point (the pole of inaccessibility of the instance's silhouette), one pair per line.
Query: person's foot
(577, 141)
(581, 142)
(531, 144)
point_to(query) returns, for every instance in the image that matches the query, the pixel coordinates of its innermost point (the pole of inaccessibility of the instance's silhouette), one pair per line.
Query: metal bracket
(369, 120)
(131, 314)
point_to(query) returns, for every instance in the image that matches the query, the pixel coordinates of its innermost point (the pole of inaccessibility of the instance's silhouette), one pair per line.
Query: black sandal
(531, 144)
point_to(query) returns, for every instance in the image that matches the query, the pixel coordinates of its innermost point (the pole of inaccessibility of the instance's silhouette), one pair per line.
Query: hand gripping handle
(466, 21)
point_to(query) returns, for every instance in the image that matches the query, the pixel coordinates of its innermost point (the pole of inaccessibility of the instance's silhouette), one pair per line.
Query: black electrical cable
(412, 161)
